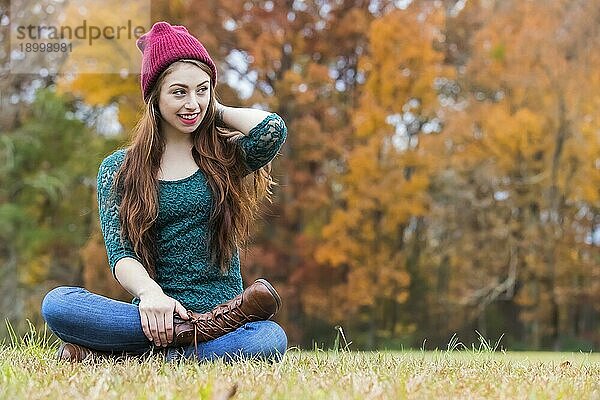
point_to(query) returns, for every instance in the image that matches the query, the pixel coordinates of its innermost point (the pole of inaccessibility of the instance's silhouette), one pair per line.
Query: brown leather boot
(72, 352)
(260, 301)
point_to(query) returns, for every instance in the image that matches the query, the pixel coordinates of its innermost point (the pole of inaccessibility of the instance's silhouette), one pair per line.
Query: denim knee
(282, 341)
(276, 344)
(53, 304)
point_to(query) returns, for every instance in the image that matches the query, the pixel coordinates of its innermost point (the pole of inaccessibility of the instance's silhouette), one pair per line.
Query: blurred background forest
(441, 174)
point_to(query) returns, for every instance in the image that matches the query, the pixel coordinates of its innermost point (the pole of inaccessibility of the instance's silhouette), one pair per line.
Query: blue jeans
(78, 316)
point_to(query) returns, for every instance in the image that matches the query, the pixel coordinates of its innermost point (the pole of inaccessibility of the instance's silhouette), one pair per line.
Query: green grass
(28, 370)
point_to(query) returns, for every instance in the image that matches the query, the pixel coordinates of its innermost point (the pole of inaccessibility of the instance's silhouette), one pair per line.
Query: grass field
(28, 370)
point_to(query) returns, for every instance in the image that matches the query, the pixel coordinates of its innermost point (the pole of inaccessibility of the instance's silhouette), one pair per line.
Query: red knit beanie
(163, 45)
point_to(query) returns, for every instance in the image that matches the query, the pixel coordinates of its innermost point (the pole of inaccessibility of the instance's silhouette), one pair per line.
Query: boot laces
(225, 317)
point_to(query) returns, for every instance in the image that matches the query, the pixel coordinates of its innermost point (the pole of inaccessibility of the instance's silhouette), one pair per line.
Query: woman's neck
(175, 141)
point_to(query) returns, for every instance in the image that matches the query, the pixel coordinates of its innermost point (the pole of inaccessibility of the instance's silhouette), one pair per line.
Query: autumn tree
(519, 134)
(372, 235)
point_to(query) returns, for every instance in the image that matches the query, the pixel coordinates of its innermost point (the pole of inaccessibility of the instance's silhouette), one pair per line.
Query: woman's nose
(192, 102)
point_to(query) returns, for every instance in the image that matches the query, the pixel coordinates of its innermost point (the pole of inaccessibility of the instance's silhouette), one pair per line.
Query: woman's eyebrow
(185, 86)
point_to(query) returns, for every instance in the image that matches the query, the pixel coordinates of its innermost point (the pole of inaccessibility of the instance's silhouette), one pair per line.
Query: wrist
(150, 290)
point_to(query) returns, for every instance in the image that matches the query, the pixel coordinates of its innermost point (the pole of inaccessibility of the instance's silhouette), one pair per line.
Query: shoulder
(108, 168)
(113, 161)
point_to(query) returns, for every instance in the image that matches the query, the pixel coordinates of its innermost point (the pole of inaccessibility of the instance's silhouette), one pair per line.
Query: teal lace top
(183, 268)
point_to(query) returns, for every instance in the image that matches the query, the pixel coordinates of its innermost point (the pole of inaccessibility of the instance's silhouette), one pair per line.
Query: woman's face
(184, 97)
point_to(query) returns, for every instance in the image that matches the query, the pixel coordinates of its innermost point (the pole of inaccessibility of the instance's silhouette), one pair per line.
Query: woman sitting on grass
(174, 207)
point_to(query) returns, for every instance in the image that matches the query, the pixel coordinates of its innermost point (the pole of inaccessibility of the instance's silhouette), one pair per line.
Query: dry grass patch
(29, 370)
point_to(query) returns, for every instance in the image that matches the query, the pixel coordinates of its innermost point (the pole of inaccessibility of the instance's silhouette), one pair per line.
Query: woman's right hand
(156, 316)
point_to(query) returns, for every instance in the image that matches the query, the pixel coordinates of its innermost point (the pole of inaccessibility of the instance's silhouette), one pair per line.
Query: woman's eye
(178, 92)
(202, 89)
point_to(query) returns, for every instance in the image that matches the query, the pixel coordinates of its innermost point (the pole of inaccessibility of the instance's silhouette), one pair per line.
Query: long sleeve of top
(108, 208)
(263, 142)
(183, 268)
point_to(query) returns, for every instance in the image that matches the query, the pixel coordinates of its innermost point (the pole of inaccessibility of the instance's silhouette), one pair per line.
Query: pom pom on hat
(163, 45)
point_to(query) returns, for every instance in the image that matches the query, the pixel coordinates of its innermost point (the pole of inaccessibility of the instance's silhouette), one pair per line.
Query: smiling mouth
(188, 119)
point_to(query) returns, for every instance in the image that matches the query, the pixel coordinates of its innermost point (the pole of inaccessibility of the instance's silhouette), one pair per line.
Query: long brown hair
(236, 193)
